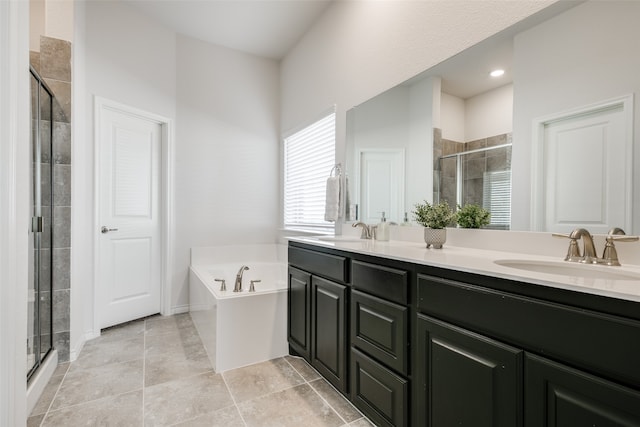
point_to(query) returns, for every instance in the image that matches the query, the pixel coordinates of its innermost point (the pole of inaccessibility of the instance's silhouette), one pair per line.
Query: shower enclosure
(40, 321)
(480, 177)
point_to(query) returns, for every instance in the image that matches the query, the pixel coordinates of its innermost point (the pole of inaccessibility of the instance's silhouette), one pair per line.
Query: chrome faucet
(588, 255)
(589, 250)
(238, 285)
(366, 230)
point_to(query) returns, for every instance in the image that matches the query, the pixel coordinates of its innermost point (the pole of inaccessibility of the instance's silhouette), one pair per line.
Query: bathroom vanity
(418, 337)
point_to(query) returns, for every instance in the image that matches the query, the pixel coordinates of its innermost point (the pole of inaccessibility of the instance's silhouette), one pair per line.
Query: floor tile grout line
(294, 368)
(316, 391)
(64, 376)
(233, 399)
(106, 364)
(75, 405)
(289, 387)
(329, 404)
(202, 415)
(92, 400)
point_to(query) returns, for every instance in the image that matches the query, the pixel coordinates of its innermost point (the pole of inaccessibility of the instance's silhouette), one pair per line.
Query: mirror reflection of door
(586, 170)
(381, 184)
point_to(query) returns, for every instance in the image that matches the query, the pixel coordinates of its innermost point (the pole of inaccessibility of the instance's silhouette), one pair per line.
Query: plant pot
(435, 237)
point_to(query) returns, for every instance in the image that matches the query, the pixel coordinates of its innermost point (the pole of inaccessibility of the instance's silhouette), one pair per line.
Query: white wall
(452, 111)
(226, 160)
(361, 48)
(556, 69)
(126, 57)
(424, 113)
(489, 114)
(51, 18)
(224, 107)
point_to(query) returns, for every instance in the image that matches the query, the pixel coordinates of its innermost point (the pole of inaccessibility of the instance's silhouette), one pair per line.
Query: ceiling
(267, 28)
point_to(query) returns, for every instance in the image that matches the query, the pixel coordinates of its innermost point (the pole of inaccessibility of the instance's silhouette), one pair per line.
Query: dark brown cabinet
(380, 386)
(329, 332)
(559, 396)
(379, 328)
(317, 313)
(422, 346)
(378, 392)
(465, 379)
(298, 313)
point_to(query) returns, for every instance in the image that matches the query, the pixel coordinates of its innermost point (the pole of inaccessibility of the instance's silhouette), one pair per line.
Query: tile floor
(155, 372)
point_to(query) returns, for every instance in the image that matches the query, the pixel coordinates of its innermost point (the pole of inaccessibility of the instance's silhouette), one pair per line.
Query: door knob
(105, 230)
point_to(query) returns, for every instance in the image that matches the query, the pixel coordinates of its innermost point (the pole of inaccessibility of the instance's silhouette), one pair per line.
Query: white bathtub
(240, 328)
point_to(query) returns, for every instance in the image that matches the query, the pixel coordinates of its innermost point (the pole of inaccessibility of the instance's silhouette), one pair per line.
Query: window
(497, 198)
(309, 156)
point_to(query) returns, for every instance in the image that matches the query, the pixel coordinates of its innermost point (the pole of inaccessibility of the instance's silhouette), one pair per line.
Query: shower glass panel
(39, 333)
(480, 177)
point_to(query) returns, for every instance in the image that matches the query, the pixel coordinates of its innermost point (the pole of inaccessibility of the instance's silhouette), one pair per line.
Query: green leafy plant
(434, 216)
(473, 216)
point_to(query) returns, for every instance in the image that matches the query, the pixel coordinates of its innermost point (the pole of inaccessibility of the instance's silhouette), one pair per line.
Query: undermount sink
(569, 269)
(343, 239)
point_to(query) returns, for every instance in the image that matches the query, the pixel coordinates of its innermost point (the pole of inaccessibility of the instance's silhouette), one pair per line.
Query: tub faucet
(238, 285)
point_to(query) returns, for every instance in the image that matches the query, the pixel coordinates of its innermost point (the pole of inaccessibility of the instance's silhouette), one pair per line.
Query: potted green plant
(473, 216)
(434, 217)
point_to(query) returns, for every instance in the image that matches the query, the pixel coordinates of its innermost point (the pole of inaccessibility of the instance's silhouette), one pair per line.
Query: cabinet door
(328, 331)
(559, 396)
(463, 378)
(299, 315)
(379, 393)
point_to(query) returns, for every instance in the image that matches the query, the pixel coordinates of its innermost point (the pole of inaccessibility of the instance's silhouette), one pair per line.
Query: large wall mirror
(547, 146)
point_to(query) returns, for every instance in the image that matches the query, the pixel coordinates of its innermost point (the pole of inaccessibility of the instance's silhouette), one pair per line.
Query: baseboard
(74, 353)
(179, 309)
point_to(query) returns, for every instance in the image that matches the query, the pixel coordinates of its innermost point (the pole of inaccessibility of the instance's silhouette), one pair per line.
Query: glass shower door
(39, 334)
(481, 177)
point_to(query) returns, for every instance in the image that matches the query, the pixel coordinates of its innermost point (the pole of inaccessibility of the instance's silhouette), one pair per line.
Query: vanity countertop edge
(481, 262)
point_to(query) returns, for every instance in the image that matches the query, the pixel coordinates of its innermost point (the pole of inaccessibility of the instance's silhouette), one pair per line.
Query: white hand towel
(332, 201)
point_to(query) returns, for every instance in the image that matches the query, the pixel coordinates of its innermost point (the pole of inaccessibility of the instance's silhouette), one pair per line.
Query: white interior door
(587, 174)
(381, 184)
(129, 270)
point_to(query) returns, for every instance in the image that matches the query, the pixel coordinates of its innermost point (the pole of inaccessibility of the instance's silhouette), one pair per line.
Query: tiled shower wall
(473, 168)
(53, 63)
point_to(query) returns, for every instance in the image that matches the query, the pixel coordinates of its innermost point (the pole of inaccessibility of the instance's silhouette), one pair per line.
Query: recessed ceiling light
(496, 73)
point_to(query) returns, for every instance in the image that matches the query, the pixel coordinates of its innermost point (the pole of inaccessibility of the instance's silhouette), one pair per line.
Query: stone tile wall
(474, 166)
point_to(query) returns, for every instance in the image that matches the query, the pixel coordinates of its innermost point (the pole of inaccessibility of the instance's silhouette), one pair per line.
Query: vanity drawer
(384, 282)
(379, 328)
(596, 342)
(326, 265)
(379, 393)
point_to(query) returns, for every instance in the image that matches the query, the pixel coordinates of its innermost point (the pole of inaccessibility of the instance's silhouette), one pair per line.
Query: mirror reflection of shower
(39, 309)
(479, 176)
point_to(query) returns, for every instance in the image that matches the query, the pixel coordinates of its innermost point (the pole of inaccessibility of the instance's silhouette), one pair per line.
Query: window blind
(309, 156)
(497, 197)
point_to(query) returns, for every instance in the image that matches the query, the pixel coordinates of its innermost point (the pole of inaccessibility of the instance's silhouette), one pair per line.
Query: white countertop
(480, 261)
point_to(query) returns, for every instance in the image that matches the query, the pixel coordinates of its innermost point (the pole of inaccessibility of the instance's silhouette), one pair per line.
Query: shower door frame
(36, 224)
